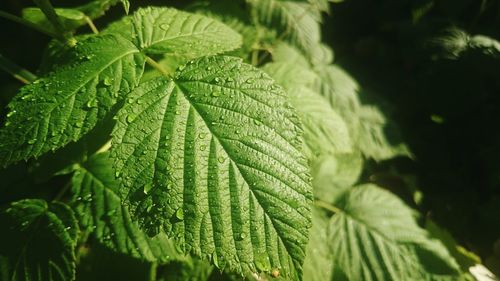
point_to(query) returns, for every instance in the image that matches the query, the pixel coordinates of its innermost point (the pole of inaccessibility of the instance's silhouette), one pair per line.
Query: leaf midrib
(237, 166)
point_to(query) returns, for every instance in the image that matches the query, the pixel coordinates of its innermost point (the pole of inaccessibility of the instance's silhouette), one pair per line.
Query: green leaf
(218, 153)
(332, 174)
(453, 43)
(325, 130)
(64, 105)
(286, 53)
(375, 236)
(98, 8)
(99, 210)
(297, 22)
(318, 263)
(166, 30)
(38, 241)
(373, 135)
(71, 18)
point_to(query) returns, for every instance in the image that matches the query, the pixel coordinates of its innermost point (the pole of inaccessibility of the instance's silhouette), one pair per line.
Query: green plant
(187, 140)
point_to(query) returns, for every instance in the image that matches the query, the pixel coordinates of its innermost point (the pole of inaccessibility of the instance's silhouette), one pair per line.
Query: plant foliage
(214, 140)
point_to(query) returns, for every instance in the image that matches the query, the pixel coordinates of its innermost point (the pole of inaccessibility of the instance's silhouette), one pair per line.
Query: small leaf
(38, 241)
(64, 105)
(99, 209)
(219, 144)
(167, 30)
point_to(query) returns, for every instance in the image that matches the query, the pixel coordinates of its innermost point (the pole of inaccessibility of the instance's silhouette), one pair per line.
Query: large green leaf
(374, 236)
(99, 208)
(65, 104)
(37, 241)
(297, 22)
(214, 157)
(166, 30)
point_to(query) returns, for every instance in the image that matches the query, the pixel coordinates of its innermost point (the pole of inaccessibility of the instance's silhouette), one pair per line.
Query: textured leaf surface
(298, 22)
(37, 242)
(217, 152)
(99, 208)
(67, 103)
(166, 30)
(376, 237)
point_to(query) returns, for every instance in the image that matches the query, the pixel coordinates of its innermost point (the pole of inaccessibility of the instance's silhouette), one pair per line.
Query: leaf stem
(157, 66)
(152, 271)
(15, 70)
(49, 11)
(26, 23)
(327, 206)
(90, 23)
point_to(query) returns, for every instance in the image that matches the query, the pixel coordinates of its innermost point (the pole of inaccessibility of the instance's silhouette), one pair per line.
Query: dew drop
(130, 118)
(179, 214)
(221, 159)
(31, 141)
(215, 94)
(108, 81)
(147, 188)
(164, 26)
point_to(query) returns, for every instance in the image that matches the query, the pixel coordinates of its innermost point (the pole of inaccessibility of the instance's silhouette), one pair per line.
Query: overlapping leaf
(375, 236)
(297, 22)
(97, 8)
(65, 104)
(318, 263)
(214, 157)
(37, 242)
(325, 130)
(166, 30)
(99, 210)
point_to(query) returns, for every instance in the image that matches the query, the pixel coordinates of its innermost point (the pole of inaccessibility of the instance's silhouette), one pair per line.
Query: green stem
(15, 70)
(54, 19)
(157, 66)
(327, 206)
(90, 23)
(152, 271)
(26, 23)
